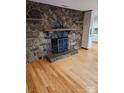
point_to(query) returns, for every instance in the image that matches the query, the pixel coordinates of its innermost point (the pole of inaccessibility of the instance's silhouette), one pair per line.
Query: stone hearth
(52, 57)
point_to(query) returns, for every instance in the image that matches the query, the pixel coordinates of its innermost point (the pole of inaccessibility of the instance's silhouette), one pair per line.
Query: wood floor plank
(74, 74)
(37, 82)
(29, 79)
(27, 91)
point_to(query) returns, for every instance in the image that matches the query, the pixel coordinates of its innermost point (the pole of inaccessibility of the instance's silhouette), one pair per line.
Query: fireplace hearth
(52, 57)
(60, 46)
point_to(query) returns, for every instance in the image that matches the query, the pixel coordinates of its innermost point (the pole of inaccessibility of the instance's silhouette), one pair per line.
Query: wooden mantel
(61, 29)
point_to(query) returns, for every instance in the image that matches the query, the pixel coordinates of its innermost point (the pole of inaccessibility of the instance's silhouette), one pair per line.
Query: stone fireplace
(61, 45)
(51, 29)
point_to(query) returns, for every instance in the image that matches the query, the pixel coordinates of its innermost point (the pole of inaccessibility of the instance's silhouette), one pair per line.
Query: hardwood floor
(74, 74)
